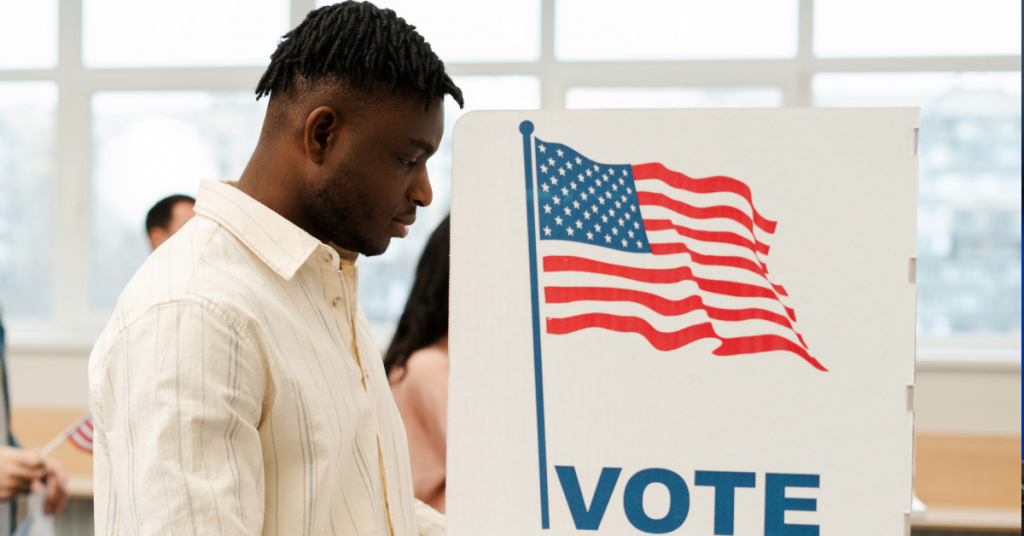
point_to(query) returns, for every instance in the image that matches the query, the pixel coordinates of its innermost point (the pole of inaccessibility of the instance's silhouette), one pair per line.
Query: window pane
(669, 29)
(672, 97)
(158, 33)
(28, 34)
(27, 118)
(384, 281)
(916, 27)
(969, 220)
(471, 30)
(146, 146)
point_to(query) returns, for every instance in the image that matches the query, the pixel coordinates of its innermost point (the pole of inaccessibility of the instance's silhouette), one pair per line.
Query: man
(22, 471)
(167, 216)
(237, 389)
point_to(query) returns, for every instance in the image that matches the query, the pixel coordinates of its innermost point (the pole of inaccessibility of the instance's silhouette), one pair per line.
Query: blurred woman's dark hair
(425, 319)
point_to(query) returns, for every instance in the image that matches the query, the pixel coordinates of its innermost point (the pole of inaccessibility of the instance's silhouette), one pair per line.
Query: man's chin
(372, 250)
(362, 245)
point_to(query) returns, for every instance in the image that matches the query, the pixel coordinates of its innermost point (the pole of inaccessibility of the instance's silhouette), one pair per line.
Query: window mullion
(799, 91)
(552, 87)
(299, 9)
(69, 245)
(805, 30)
(547, 31)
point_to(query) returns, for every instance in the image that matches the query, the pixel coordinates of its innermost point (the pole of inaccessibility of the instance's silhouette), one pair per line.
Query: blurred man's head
(167, 216)
(356, 109)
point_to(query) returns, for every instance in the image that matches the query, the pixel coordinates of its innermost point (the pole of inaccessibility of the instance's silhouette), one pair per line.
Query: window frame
(74, 325)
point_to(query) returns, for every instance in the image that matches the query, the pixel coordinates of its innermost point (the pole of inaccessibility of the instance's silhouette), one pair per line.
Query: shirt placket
(344, 287)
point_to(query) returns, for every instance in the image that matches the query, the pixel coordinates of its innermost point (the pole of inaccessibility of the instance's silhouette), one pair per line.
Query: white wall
(968, 398)
(40, 377)
(957, 398)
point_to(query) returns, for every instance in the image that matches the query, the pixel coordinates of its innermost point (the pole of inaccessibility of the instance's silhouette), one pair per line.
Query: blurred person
(22, 471)
(417, 367)
(167, 216)
(237, 388)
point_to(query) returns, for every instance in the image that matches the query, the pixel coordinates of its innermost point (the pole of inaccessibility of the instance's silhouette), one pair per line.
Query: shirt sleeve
(176, 400)
(429, 522)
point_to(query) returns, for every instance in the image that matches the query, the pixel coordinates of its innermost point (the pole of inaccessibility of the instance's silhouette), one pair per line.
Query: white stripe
(669, 324)
(654, 212)
(704, 247)
(727, 199)
(644, 261)
(80, 441)
(657, 262)
(704, 200)
(675, 292)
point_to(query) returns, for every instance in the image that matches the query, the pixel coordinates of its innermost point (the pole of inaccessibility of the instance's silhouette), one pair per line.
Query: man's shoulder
(200, 264)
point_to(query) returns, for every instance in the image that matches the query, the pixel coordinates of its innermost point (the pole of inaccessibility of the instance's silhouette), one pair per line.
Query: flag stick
(526, 128)
(45, 451)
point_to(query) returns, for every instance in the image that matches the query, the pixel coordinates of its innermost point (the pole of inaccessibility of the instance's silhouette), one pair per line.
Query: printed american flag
(671, 258)
(81, 437)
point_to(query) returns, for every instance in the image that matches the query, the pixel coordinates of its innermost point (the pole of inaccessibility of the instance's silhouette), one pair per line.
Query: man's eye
(407, 163)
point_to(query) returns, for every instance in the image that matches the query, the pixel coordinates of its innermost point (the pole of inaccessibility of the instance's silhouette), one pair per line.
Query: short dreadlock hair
(360, 44)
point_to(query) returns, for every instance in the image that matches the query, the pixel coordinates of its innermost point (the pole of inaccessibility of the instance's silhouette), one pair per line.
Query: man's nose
(420, 193)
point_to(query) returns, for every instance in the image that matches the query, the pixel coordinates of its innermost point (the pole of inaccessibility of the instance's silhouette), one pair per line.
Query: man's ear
(322, 130)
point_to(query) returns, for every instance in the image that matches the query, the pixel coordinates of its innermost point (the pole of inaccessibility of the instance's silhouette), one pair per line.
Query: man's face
(181, 212)
(374, 176)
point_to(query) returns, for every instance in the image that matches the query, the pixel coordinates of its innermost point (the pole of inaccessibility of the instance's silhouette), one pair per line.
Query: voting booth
(682, 321)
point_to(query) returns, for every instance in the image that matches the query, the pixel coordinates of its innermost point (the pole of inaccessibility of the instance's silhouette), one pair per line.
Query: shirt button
(327, 257)
(336, 302)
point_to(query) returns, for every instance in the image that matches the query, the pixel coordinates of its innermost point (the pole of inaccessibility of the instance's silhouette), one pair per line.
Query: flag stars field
(606, 189)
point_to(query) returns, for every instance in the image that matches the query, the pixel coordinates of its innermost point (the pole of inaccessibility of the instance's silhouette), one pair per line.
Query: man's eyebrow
(423, 144)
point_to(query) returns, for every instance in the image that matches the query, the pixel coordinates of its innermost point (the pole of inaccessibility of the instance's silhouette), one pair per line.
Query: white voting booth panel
(682, 321)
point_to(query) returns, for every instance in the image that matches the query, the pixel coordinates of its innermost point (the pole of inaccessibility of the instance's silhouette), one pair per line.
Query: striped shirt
(237, 390)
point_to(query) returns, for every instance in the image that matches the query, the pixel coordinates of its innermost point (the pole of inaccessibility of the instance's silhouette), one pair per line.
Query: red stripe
(80, 442)
(632, 324)
(671, 248)
(656, 275)
(669, 275)
(677, 339)
(716, 260)
(724, 237)
(764, 343)
(699, 213)
(705, 185)
(660, 305)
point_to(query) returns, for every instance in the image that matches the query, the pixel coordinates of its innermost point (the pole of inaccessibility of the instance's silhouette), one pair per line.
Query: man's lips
(403, 223)
(405, 220)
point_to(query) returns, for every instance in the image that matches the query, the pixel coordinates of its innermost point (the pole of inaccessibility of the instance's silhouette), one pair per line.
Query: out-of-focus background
(107, 106)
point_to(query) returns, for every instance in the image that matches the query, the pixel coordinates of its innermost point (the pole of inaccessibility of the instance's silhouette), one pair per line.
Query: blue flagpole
(526, 128)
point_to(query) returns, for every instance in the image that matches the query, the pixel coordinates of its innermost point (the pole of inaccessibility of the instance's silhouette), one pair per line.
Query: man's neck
(275, 182)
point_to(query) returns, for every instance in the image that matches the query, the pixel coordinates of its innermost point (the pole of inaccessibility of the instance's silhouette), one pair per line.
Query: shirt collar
(281, 244)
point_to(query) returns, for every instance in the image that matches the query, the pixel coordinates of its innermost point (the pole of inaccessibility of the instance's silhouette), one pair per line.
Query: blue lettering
(679, 501)
(587, 518)
(776, 504)
(725, 483)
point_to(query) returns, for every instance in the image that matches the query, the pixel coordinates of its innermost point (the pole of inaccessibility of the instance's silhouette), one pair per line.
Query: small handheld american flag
(81, 437)
(79, 434)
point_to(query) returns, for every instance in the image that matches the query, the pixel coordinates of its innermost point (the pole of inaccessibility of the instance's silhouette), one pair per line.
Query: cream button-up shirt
(237, 390)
